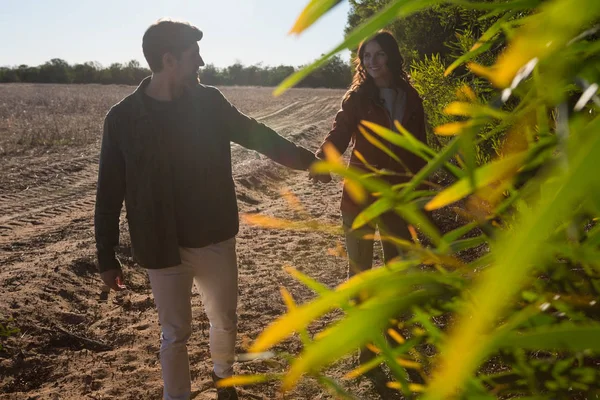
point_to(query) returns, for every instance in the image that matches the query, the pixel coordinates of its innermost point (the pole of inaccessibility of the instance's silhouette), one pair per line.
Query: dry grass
(41, 117)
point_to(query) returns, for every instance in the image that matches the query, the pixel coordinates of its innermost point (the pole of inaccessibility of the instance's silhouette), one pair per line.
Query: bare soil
(75, 342)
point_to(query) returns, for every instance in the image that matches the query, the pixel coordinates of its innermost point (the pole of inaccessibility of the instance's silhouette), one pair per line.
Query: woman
(380, 93)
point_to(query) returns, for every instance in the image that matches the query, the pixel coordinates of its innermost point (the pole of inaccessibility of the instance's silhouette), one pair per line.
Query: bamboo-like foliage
(529, 299)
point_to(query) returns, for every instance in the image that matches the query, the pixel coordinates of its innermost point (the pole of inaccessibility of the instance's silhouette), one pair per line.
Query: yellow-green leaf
(356, 191)
(407, 141)
(358, 328)
(311, 13)
(310, 283)
(376, 209)
(460, 108)
(561, 337)
(288, 300)
(486, 175)
(413, 387)
(369, 182)
(483, 44)
(403, 362)
(473, 110)
(451, 128)
(243, 380)
(466, 93)
(332, 154)
(370, 167)
(394, 137)
(369, 281)
(378, 144)
(268, 222)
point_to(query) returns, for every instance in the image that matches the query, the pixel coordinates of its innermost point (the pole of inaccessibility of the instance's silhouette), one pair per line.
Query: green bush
(436, 90)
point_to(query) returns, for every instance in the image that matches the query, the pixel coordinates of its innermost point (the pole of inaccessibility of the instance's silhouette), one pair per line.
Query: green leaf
(288, 299)
(376, 209)
(335, 388)
(482, 262)
(593, 237)
(396, 351)
(483, 44)
(310, 283)
(466, 109)
(434, 165)
(484, 176)
(360, 326)
(417, 148)
(375, 171)
(408, 142)
(511, 5)
(371, 139)
(374, 280)
(424, 319)
(467, 151)
(568, 337)
(468, 56)
(416, 217)
(465, 244)
(311, 13)
(459, 232)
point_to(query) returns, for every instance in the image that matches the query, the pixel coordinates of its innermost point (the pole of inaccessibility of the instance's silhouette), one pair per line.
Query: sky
(109, 31)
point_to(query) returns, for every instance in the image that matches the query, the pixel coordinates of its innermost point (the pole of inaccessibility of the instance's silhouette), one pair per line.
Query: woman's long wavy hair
(363, 83)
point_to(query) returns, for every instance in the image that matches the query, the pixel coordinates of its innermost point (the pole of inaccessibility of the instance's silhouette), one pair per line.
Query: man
(166, 152)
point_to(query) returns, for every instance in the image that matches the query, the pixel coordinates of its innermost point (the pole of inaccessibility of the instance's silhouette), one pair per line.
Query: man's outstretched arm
(254, 135)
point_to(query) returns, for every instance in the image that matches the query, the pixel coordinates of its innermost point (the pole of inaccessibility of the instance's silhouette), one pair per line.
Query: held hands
(113, 278)
(318, 177)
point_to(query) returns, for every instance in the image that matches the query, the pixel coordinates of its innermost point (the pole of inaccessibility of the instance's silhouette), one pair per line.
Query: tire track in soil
(56, 201)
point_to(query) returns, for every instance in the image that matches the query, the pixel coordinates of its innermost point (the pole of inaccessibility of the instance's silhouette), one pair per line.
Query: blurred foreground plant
(521, 318)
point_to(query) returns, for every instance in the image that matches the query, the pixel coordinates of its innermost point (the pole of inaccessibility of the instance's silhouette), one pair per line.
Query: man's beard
(193, 80)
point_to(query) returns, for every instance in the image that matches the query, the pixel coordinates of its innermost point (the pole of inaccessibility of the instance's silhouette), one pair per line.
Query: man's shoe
(224, 393)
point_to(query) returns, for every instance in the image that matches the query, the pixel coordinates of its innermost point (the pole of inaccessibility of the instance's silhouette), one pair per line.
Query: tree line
(335, 74)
